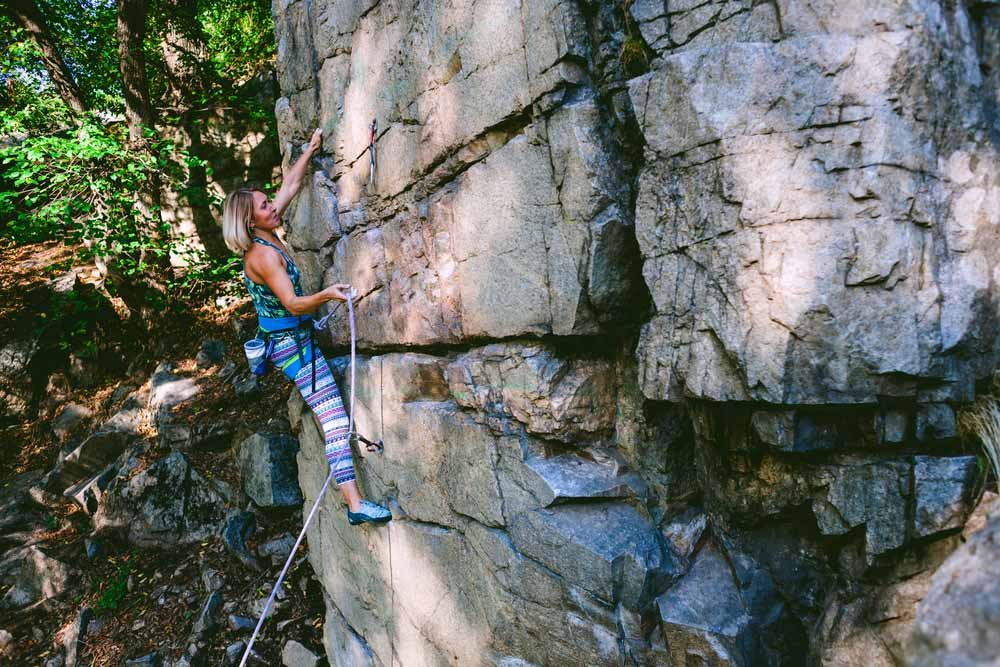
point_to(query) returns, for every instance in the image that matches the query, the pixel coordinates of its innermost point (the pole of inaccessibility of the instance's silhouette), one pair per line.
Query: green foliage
(85, 35)
(114, 590)
(634, 55)
(80, 185)
(74, 178)
(239, 36)
(68, 323)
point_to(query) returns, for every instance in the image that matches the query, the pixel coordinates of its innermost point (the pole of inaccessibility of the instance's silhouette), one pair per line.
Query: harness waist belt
(276, 324)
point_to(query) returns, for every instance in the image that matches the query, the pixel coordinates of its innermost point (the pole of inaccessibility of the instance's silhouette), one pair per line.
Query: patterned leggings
(325, 402)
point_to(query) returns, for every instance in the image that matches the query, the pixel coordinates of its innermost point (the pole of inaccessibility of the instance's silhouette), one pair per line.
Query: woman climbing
(249, 222)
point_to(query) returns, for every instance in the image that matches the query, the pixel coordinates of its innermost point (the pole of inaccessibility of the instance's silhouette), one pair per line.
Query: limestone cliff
(666, 309)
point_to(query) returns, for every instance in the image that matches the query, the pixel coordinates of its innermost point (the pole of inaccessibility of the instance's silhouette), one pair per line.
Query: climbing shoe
(370, 512)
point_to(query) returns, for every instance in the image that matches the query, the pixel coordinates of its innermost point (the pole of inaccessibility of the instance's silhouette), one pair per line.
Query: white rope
(319, 496)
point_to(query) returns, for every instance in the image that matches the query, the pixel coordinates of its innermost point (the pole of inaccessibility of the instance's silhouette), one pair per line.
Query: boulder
(703, 617)
(237, 530)
(91, 457)
(295, 654)
(212, 352)
(211, 579)
(33, 576)
(89, 491)
(168, 389)
(234, 653)
(267, 467)
(166, 503)
(956, 621)
(68, 418)
(277, 549)
(241, 623)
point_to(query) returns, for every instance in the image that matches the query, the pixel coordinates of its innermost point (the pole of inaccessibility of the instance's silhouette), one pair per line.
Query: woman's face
(265, 216)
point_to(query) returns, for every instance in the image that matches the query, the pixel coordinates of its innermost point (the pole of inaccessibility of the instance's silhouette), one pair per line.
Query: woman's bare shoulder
(260, 256)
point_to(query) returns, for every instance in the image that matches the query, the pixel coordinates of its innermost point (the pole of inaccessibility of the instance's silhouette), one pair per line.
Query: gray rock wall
(665, 310)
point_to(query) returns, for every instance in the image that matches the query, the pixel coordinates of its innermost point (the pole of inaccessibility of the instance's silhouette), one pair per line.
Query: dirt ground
(144, 599)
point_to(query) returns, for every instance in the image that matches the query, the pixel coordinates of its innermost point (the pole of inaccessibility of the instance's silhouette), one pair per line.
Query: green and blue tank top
(264, 300)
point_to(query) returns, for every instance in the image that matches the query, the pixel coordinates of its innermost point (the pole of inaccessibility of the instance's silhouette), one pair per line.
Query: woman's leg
(328, 408)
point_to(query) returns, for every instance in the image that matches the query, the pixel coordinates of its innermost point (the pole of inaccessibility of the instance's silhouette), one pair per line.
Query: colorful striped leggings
(325, 402)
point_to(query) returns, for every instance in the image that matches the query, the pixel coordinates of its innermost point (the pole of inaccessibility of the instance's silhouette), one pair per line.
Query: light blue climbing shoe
(370, 513)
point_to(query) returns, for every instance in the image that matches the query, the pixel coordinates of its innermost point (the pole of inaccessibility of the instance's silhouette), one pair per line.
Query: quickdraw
(371, 151)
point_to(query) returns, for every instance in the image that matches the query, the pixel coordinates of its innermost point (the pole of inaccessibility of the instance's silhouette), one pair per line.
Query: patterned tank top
(264, 300)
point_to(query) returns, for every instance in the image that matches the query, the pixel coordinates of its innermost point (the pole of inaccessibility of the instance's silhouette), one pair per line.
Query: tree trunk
(139, 117)
(183, 51)
(132, 65)
(25, 13)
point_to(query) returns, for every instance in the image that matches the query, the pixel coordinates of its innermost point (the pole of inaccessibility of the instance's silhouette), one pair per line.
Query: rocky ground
(145, 507)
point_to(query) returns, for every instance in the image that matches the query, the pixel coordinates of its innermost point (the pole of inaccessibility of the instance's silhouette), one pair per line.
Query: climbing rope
(319, 496)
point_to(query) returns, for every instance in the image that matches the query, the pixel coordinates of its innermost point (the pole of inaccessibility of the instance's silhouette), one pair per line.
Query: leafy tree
(76, 167)
(26, 15)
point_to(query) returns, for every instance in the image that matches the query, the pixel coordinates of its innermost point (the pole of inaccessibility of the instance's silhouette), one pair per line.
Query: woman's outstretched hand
(337, 292)
(316, 140)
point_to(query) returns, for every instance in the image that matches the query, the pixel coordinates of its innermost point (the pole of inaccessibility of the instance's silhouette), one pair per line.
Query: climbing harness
(322, 491)
(371, 151)
(299, 327)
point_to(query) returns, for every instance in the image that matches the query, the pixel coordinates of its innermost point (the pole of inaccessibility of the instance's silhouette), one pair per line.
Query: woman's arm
(292, 181)
(270, 267)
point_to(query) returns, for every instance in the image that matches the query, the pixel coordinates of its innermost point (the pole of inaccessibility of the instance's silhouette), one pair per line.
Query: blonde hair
(237, 214)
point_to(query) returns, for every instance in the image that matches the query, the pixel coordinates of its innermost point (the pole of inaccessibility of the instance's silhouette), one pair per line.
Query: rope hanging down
(319, 496)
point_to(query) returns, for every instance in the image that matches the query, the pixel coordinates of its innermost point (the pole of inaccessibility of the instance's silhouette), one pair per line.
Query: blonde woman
(249, 222)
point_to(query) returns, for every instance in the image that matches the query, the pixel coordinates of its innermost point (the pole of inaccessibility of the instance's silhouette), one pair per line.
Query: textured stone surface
(344, 647)
(703, 618)
(75, 634)
(805, 207)
(69, 417)
(956, 621)
(295, 654)
(32, 576)
(457, 483)
(267, 469)
(570, 400)
(15, 381)
(609, 550)
(238, 528)
(668, 311)
(167, 503)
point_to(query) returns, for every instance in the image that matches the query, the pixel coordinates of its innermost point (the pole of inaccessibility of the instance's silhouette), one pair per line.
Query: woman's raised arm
(292, 181)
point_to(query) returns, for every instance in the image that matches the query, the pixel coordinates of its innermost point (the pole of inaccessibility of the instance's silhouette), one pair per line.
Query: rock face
(796, 203)
(665, 311)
